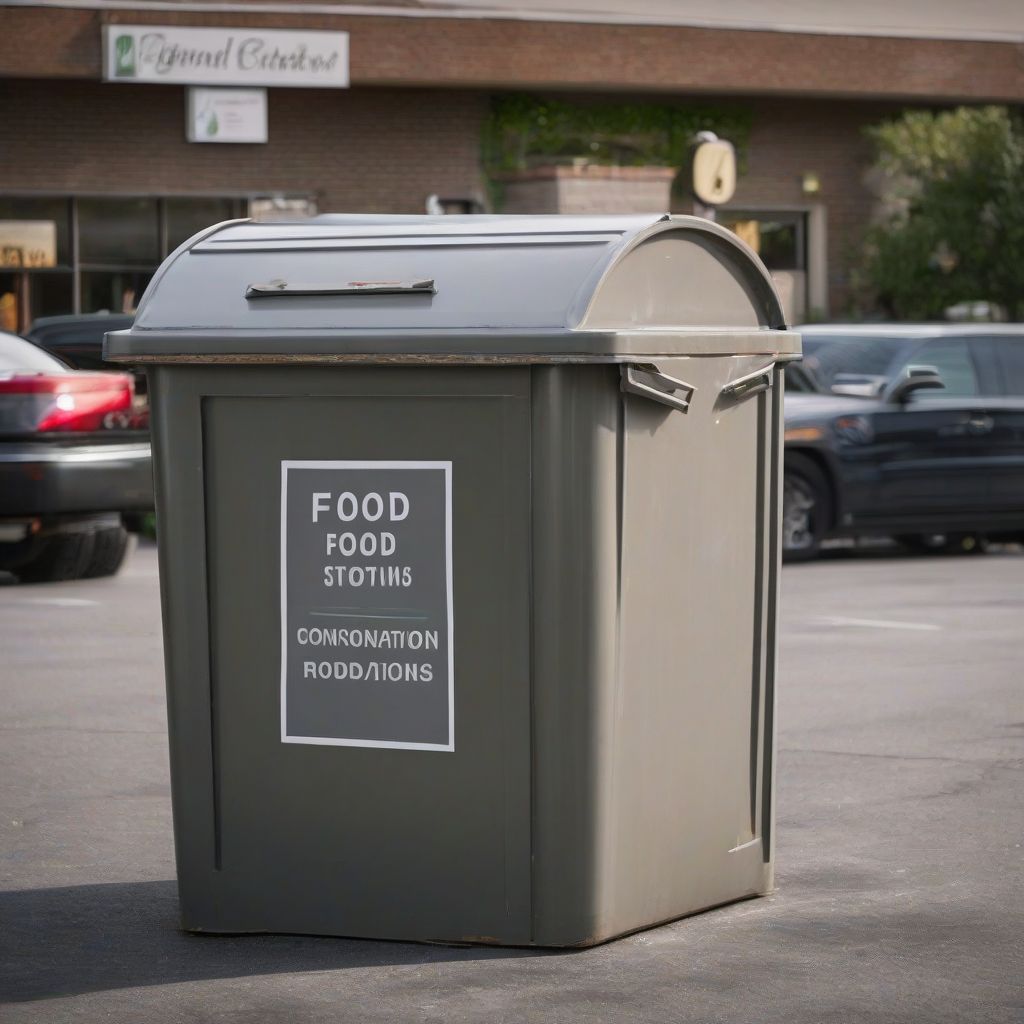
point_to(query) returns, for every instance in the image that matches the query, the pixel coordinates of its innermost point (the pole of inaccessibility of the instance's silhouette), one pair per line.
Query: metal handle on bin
(662, 389)
(750, 384)
(423, 286)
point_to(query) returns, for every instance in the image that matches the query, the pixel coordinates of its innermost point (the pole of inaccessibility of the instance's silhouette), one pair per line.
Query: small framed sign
(226, 115)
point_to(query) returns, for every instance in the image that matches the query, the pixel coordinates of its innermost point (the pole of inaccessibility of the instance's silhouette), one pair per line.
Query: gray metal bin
(469, 557)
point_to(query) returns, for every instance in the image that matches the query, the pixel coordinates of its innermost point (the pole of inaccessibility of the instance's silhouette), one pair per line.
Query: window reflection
(119, 232)
(113, 291)
(187, 216)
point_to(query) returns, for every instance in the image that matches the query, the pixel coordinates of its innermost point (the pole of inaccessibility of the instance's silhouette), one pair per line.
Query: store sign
(28, 244)
(226, 115)
(366, 604)
(225, 56)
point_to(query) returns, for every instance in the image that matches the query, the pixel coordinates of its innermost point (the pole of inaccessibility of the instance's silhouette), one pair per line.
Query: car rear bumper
(60, 479)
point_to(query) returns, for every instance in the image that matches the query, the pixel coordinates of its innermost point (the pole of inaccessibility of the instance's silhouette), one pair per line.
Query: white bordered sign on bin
(367, 657)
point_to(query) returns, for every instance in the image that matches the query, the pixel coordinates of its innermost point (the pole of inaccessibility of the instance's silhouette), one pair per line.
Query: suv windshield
(867, 355)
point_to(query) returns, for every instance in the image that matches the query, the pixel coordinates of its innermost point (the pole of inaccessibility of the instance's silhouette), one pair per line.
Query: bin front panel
(388, 841)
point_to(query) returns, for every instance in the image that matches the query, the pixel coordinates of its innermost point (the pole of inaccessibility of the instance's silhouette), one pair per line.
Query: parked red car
(74, 461)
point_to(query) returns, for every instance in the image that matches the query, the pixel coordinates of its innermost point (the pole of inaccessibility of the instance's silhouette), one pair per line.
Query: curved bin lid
(524, 289)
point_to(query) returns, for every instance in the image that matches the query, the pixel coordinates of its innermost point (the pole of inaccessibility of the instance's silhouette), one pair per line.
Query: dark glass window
(49, 293)
(187, 216)
(1009, 352)
(118, 232)
(864, 355)
(113, 291)
(26, 296)
(780, 246)
(778, 238)
(798, 379)
(952, 358)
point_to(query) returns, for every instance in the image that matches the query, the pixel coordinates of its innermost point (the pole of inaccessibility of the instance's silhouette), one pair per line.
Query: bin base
(469, 942)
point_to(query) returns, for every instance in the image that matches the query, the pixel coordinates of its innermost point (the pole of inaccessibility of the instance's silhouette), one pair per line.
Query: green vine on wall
(522, 131)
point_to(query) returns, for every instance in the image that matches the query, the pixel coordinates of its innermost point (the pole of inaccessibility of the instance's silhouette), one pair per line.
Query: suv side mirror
(916, 378)
(859, 385)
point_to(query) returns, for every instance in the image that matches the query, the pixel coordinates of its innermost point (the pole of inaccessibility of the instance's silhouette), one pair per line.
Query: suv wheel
(806, 508)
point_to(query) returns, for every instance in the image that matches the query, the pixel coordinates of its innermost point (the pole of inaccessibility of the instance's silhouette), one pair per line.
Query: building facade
(106, 169)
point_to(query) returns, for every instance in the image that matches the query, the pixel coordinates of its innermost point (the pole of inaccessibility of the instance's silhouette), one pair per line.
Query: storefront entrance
(781, 239)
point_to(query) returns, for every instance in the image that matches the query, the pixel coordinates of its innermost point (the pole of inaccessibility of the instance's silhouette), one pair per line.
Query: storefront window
(121, 241)
(118, 232)
(187, 216)
(36, 267)
(112, 291)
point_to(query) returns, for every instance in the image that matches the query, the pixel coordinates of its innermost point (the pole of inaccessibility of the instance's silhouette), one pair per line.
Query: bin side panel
(683, 815)
(773, 564)
(391, 843)
(178, 485)
(576, 417)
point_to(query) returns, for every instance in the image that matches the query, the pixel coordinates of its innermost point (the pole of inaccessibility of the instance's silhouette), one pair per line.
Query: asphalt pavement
(900, 837)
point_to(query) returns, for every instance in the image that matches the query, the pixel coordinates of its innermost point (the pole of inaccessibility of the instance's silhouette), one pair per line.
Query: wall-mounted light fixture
(810, 183)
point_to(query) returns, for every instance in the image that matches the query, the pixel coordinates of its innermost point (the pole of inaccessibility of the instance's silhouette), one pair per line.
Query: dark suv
(77, 338)
(915, 431)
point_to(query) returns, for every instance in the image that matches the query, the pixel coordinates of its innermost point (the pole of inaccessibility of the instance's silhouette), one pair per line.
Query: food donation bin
(469, 560)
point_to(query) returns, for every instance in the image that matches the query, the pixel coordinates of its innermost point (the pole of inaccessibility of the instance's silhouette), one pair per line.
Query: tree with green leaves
(951, 227)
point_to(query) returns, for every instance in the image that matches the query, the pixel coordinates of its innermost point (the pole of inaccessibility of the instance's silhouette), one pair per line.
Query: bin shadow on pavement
(93, 938)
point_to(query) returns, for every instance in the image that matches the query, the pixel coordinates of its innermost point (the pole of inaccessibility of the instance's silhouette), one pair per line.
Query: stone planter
(586, 188)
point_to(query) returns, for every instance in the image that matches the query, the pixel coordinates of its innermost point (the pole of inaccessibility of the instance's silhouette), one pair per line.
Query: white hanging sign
(225, 56)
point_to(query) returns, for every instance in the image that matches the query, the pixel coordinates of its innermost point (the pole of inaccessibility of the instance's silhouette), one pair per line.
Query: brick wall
(381, 150)
(529, 54)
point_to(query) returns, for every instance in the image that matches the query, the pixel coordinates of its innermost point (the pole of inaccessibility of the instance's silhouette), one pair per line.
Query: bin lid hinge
(646, 380)
(749, 384)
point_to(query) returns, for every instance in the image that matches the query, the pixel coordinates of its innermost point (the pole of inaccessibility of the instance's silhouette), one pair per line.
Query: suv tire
(806, 508)
(64, 556)
(109, 550)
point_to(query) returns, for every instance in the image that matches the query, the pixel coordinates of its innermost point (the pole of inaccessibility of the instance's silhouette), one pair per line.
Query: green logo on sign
(124, 57)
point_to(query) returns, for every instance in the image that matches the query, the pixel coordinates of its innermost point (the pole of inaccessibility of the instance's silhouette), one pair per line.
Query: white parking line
(842, 620)
(62, 602)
